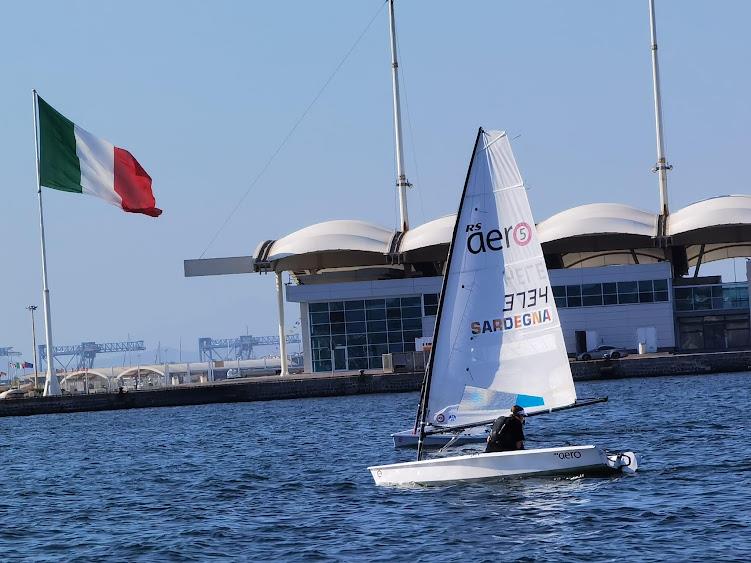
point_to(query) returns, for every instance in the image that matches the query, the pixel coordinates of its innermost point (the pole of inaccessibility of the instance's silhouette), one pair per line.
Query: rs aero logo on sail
(497, 239)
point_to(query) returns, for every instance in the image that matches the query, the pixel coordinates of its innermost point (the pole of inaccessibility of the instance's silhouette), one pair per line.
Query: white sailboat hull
(476, 467)
(409, 439)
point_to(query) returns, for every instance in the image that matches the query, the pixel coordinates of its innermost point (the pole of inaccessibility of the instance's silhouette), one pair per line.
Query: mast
(51, 384)
(425, 395)
(662, 165)
(401, 179)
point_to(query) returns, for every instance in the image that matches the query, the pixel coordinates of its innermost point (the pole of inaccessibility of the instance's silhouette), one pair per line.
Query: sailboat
(497, 340)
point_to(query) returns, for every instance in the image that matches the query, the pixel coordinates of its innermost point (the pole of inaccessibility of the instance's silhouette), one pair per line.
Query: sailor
(508, 432)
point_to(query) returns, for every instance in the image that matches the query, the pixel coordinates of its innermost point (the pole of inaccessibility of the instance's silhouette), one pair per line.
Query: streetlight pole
(33, 308)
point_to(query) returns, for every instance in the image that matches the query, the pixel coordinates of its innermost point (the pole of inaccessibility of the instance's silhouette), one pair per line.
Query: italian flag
(73, 160)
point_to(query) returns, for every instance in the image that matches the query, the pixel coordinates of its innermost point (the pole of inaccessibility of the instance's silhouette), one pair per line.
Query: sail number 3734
(525, 299)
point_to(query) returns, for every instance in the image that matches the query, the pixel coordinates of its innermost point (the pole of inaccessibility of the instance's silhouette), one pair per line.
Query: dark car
(603, 352)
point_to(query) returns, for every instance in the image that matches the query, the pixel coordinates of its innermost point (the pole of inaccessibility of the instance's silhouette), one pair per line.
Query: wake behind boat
(497, 339)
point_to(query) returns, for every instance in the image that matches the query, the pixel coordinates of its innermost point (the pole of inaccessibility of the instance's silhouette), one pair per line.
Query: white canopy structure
(600, 234)
(713, 229)
(597, 234)
(329, 244)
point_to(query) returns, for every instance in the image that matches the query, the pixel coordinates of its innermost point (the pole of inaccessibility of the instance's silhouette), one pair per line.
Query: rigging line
(292, 130)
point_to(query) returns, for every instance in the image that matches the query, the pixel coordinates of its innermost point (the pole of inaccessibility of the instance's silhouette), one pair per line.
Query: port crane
(7, 352)
(82, 355)
(241, 348)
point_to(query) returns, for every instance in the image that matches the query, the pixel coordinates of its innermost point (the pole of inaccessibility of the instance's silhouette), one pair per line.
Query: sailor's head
(518, 412)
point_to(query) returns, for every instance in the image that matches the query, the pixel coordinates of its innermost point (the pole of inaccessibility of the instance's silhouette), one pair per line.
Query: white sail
(498, 339)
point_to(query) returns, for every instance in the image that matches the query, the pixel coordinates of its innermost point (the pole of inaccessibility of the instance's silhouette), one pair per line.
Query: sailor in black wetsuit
(508, 432)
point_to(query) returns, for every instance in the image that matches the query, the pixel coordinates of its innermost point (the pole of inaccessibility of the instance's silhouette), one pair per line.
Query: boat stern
(625, 462)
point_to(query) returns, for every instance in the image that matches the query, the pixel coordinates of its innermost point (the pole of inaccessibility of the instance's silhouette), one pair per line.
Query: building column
(282, 336)
(307, 347)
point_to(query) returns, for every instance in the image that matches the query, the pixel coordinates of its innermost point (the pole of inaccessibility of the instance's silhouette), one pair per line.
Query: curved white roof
(597, 218)
(713, 212)
(434, 232)
(585, 235)
(331, 236)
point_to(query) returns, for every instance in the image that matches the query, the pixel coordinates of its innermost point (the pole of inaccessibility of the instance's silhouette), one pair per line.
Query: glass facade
(351, 335)
(715, 332)
(430, 304)
(611, 293)
(711, 297)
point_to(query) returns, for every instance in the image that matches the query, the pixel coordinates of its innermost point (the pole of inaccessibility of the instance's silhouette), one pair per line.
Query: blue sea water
(287, 480)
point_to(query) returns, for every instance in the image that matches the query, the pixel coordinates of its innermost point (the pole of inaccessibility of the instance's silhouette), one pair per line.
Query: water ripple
(287, 480)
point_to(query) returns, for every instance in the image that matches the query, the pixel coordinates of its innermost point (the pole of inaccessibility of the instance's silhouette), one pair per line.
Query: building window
(430, 304)
(352, 335)
(628, 292)
(559, 292)
(591, 294)
(683, 299)
(691, 334)
(710, 297)
(573, 296)
(660, 289)
(646, 294)
(610, 293)
(713, 332)
(613, 293)
(702, 298)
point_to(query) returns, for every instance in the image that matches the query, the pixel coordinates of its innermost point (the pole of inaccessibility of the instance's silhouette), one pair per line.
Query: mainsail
(498, 340)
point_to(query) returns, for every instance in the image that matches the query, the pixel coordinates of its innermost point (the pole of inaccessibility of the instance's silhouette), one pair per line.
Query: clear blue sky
(203, 92)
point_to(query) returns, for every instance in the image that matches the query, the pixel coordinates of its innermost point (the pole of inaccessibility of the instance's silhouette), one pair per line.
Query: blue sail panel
(528, 401)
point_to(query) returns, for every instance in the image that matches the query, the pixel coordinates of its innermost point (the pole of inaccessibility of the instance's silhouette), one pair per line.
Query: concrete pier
(654, 365)
(300, 386)
(263, 388)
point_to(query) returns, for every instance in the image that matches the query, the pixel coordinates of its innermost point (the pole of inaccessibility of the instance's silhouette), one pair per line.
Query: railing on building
(715, 297)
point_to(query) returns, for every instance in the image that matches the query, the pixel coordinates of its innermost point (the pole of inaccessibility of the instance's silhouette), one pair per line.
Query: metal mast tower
(662, 165)
(401, 178)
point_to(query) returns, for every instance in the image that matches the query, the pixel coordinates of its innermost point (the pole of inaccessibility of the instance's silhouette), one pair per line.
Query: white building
(618, 276)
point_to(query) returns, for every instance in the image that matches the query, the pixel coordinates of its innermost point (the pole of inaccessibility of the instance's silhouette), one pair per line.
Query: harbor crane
(8, 351)
(225, 349)
(82, 355)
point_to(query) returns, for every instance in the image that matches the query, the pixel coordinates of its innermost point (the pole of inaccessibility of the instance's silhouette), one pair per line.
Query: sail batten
(498, 339)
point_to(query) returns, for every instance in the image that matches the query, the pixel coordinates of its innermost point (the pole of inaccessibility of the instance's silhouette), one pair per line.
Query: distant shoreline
(307, 385)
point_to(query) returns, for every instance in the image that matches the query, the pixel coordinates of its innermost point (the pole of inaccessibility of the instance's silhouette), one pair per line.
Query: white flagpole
(51, 384)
